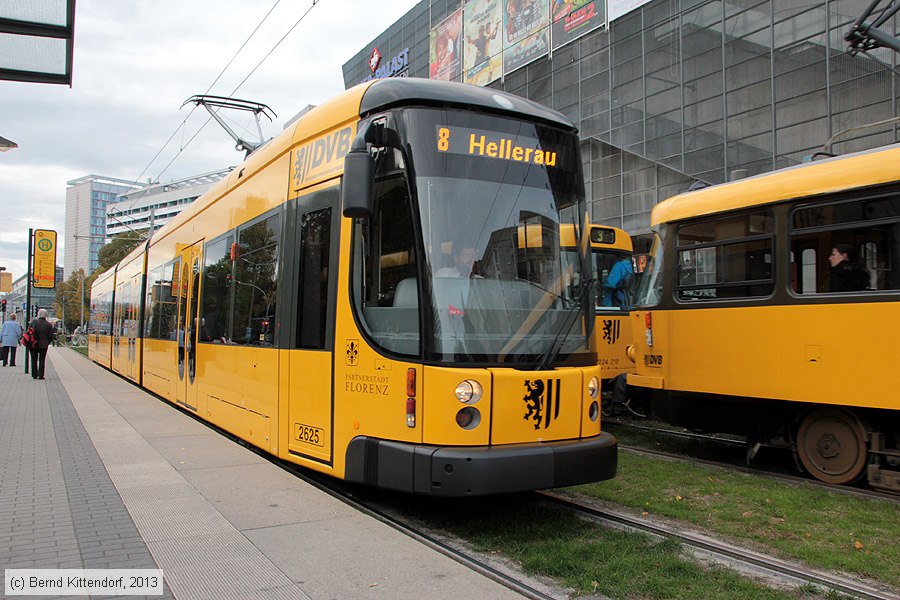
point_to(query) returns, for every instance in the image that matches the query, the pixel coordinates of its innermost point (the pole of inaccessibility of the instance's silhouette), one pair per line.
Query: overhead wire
(181, 126)
(243, 81)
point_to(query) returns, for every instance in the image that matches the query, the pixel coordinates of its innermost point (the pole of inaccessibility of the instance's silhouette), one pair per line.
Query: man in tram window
(617, 286)
(463, 262)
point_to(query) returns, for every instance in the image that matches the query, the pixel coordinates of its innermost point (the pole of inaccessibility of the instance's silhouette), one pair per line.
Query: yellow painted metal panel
(308, 382)
(807, 353)
(245, 377)
(159, 367)
(612, 335)
(646, 381)
(441, 406)
(100, 349)
(531, 406)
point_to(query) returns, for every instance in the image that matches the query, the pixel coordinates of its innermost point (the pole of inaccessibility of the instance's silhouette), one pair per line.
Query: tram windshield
(650, 288)
(495, 196)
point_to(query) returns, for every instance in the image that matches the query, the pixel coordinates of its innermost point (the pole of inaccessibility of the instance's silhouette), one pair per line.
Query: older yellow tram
(349, 298)
(613, 268)
(768, 310)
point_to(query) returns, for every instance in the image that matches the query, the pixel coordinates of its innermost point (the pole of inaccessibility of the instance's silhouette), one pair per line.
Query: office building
(86, 201)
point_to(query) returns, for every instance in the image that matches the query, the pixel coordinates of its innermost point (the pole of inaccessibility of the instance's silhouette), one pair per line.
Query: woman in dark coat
(43, 333)
(846, 273)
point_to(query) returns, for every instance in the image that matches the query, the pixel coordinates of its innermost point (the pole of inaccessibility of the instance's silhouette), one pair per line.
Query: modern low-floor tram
(349, 298)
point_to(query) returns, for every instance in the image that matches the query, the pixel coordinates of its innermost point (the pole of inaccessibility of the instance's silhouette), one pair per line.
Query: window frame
(279, 269)
(229, 302)
(678, 248)
(856, 196)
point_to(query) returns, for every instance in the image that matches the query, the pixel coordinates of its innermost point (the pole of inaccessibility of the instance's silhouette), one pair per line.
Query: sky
(135, 64)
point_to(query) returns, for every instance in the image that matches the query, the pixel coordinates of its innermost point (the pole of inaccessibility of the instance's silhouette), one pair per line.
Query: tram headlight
(468, 391)
(468, 417)
(594, 388)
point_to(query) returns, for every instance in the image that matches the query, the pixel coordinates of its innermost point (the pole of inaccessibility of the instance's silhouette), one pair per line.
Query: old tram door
(188, 301)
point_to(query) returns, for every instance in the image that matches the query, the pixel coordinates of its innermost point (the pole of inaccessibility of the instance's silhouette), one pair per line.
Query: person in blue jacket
(617, 287)
(9, 338)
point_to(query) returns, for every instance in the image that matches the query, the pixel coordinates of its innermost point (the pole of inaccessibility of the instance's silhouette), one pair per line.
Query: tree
(117, 249)
(68, 300)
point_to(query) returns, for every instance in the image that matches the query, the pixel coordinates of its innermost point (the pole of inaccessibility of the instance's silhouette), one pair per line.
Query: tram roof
(404, 91)
(861, 169)
(360, 101)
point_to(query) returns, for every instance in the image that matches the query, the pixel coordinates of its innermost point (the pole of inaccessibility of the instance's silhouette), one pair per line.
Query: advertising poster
(574, 18)
(445, 51)
(483, 52)
(524, 51)
(522, 18)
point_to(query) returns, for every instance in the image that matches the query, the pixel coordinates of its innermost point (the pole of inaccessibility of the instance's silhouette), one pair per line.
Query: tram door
(310, 372)
(188, 300)
(133, 324)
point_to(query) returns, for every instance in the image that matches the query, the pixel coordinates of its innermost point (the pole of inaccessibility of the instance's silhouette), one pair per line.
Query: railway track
(745, 560)
(771, 473)
(751, 562)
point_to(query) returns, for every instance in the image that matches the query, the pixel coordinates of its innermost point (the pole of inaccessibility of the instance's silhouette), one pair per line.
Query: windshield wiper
(557, 344)
(565, 301)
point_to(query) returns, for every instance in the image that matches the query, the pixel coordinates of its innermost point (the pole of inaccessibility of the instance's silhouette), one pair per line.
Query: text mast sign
(44, 272)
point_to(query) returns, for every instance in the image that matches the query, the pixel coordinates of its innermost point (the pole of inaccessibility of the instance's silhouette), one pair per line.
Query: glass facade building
(678, 91)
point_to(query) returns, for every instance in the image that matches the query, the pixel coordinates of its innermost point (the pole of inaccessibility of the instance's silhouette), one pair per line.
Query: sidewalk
(98, 474)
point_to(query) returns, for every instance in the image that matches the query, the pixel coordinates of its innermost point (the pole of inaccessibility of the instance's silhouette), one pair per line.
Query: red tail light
(648, 320)
(410, 412)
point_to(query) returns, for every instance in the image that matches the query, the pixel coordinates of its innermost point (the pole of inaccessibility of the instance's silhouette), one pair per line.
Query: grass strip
(827, 530)
(590, 558)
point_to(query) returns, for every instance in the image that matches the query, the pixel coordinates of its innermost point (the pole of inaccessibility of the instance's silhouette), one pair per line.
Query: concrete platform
(98, 474)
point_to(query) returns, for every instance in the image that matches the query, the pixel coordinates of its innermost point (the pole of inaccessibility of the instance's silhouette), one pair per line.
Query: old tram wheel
(831, 443)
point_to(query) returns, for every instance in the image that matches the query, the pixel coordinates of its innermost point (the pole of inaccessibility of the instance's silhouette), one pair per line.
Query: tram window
(150, 320)
(315, 246)
(100, 314)
(256, 283)
(868, 228)
(726, 258)
(162, 309)
(215, 305)
(384, 267)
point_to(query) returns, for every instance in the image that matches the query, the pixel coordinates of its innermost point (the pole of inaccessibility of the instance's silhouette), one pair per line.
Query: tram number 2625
(308, 435)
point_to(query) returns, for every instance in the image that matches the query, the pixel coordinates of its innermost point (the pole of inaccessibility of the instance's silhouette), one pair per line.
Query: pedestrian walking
(43, 334)
(9, 338)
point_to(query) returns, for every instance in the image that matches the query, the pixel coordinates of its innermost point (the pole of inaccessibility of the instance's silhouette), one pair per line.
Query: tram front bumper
(480, 470)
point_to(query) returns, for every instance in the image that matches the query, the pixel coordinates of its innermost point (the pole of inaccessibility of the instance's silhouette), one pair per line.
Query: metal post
(28, 297)
(81, 300)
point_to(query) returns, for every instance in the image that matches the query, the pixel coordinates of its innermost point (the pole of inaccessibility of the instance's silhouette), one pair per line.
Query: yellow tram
(767, 310)
(611, 255)
(349, 299)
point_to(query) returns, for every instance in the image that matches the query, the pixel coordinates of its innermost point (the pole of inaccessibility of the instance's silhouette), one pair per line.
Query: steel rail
(727, 551)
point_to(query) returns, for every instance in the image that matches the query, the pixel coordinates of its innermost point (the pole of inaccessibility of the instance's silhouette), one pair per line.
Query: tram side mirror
(358, 187)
